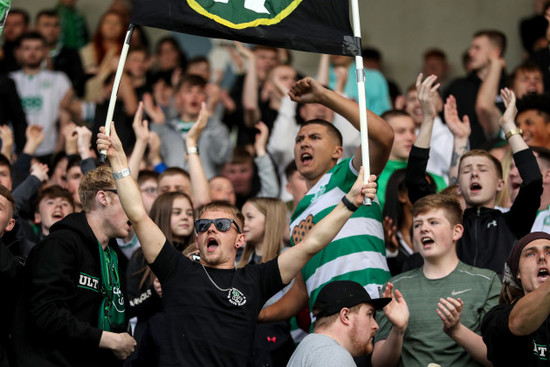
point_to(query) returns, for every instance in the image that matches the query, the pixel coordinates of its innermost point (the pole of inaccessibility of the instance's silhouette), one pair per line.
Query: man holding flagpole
(358, 251)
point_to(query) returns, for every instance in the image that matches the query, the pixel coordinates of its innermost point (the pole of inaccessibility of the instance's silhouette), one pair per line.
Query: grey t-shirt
(317, 350)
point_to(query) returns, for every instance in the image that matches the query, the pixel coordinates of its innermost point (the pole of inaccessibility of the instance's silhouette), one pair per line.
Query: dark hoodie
(56, 321)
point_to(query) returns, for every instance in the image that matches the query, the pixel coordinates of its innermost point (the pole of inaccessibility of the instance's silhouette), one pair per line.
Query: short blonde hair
(95, 180)
(224, 206)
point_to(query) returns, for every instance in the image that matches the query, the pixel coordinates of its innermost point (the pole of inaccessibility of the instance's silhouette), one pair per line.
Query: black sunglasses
(111, 190)
(222, 224)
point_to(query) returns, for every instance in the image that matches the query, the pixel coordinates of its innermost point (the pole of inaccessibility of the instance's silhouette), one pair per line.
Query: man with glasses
(209, 306)
(73, 312)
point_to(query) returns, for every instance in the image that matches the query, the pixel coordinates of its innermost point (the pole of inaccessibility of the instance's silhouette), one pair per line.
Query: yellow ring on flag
(261, 21)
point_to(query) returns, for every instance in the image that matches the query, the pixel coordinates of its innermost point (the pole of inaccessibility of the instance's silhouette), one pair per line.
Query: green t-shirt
(425, 341)
(392, 166)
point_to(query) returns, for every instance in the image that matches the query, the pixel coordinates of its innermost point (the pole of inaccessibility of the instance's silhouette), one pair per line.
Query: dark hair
(241, 156)
(51, 13)
(171, 40)
(371, 53)
(30, 36)
(290, 169)
(198, 59)
(22, 12)
(332, 130)
(54, 191)
(73, 161)
(537, 102)
(146, 175)
(526, 67)
(191, 80)
(497, 38)
(394, 113)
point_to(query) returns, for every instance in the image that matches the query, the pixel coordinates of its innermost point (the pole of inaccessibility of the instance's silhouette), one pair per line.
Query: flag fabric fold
(320, 26)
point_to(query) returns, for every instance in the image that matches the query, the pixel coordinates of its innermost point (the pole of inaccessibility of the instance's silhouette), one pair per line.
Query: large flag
(320, 26)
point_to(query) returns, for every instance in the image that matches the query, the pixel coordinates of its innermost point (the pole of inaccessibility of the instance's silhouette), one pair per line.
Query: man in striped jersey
(358, 251)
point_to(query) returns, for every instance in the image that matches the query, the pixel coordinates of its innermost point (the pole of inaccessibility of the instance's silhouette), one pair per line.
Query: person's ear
(338, 151)
(37, 218)
(101, 198)
(10, 225)
(240, 240)
(458, 230)
(500, 185)
(344, 316)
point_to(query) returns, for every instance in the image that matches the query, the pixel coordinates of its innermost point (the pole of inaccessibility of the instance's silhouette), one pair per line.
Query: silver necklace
(235, 296)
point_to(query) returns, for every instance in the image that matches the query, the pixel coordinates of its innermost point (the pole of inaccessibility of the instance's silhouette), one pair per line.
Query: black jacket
(489, 234)
(57, 316)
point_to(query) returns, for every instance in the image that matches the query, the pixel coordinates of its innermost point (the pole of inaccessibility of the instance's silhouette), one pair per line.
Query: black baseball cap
(344, 293)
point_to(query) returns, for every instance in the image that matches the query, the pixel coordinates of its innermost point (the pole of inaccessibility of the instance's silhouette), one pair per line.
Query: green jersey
(358, 250)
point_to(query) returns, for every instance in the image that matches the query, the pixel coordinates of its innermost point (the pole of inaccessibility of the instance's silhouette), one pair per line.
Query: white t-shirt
(41, 95)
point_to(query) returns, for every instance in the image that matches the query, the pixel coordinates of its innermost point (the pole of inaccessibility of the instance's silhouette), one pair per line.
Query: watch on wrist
(192, 150)
(513, 132)
(122, 173)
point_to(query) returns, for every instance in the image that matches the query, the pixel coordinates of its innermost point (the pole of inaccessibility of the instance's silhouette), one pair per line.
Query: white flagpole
(116, 84)
(360, 75)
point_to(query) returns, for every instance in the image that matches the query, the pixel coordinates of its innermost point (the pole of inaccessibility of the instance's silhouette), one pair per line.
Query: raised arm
(199, 184)
(141, 130)
(294, 259)
(150, 236)
(380, 133)
(486, 110)
(427, 95)
(251, 108)
(461, 132)
(507, 122)
(531, 311)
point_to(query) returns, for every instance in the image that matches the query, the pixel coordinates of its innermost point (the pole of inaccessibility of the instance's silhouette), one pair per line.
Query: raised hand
(509, 116)
(196, 130)
(140, 126)
(307, 90)
(359, 190)
(428, 95)
(154, 111)
(459, 128)
(397, 310)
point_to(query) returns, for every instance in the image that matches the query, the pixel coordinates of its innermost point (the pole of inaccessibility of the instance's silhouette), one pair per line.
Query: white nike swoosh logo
(454, 293)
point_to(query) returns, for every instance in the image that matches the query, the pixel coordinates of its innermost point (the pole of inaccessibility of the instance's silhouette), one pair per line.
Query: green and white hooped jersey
(357, 252)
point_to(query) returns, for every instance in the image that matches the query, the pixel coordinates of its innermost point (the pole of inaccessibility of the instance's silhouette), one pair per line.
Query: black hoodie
(56, 321)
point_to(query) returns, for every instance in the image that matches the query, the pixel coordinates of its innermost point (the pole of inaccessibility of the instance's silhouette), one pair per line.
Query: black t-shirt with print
(205, 327)
(507, 349)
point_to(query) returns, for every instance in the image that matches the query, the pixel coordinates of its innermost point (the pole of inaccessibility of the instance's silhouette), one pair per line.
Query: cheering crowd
(227, 226)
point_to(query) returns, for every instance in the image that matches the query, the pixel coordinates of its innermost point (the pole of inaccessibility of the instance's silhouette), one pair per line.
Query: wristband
(351, 206)
(192, 150)
(121, 174)
(513, 132)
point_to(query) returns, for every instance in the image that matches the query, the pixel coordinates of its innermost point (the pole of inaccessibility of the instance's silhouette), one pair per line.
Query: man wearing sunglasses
(210, 307)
